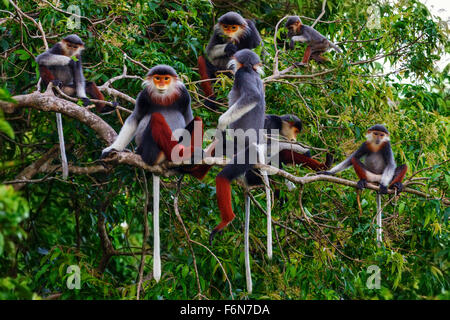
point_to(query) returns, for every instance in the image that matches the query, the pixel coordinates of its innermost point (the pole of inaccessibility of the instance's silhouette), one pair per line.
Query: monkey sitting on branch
(57, 65)
(379, 165)
(231, 33)
(317, 44)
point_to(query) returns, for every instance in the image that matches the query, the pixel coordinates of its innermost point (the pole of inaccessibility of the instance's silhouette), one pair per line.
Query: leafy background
(386, 74)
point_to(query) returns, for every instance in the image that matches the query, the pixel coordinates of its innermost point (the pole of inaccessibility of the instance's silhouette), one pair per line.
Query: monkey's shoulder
(311, 32)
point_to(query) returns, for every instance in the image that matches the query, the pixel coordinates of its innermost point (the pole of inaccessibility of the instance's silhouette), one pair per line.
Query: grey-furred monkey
(379, 163)
(161, 108)
(57, 65)
(247, 112)
(317, 43)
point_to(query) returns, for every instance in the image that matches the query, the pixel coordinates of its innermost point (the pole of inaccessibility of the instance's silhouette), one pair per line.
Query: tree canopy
(324, 238)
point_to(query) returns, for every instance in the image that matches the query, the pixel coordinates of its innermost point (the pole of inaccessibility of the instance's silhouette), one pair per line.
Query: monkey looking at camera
(57, 65)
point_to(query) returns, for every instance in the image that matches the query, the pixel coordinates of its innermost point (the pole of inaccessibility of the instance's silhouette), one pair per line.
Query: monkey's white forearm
(125, 135)
(217, 51)
(48, 59)
(234, 113)
(299, 39)
(341, 166)
(293, 147)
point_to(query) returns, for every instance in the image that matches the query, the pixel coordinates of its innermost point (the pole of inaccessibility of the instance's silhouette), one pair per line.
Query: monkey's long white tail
(379, 221)
(156, 242)
(62, 147)
(248, 272)
(268, 200)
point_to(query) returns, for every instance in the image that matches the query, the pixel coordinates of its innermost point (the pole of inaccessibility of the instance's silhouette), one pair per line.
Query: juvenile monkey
(379, 165)
(57, 65)
(317, 44)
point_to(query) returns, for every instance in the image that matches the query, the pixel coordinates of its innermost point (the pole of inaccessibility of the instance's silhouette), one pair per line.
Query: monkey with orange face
(379, 163)
(161, 108)
(231, 33)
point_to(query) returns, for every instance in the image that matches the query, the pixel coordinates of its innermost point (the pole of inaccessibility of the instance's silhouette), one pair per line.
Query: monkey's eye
(166, 78)
(233, 28)
(157, 78)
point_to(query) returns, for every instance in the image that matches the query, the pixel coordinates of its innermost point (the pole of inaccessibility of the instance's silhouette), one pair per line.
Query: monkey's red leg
(46, 75)
(306, 55)
(162, 134)
(203, 70)
(359, 169)
(399, 174)
(223, 193)
(93, 91)
(291, 157)
(199, 171)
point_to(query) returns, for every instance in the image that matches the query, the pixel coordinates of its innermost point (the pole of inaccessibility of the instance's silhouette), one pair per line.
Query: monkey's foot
(361, 184)
(383, 189)
(107, 109)
(57, 83)
(399, 186)
(107, 152)
(213, 234)
(327, 173)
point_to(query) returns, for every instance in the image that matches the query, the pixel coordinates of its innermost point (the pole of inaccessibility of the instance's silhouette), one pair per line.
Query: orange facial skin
(230, 29)
(294, 28)
(162, 81)
(378, 140)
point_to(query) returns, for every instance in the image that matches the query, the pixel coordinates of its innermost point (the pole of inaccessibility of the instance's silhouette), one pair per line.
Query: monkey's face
(162, 82)
(289, 131)
(294, 29)
(71, 49)
(232, 31)
(376, 139)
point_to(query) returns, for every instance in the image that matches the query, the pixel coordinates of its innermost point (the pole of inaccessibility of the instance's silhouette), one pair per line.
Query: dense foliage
(385, 75)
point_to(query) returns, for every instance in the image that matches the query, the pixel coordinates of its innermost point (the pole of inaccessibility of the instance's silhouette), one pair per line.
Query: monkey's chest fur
(375, 164)
(63, 74)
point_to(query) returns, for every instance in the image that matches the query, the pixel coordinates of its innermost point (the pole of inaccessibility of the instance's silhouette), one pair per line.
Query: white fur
(56, 60)
(262, 159)
(232, 65)
(156, 240)
(125, 135)
(217, 51)
(299, 39)
(234, 113)
(369, 138)
(248, 271)
(160, 94)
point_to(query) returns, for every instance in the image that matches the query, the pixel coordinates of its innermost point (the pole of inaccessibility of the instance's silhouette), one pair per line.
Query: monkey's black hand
(308, 154)
(212, 235)
(383, 189)
(106, 152)
(107, 109)
(291, 45)
(329, 160)
(327, 173)
(399, 186)
(361, 184)
(72, 63)
(230, 49)
(86, 101)
(57, 83)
